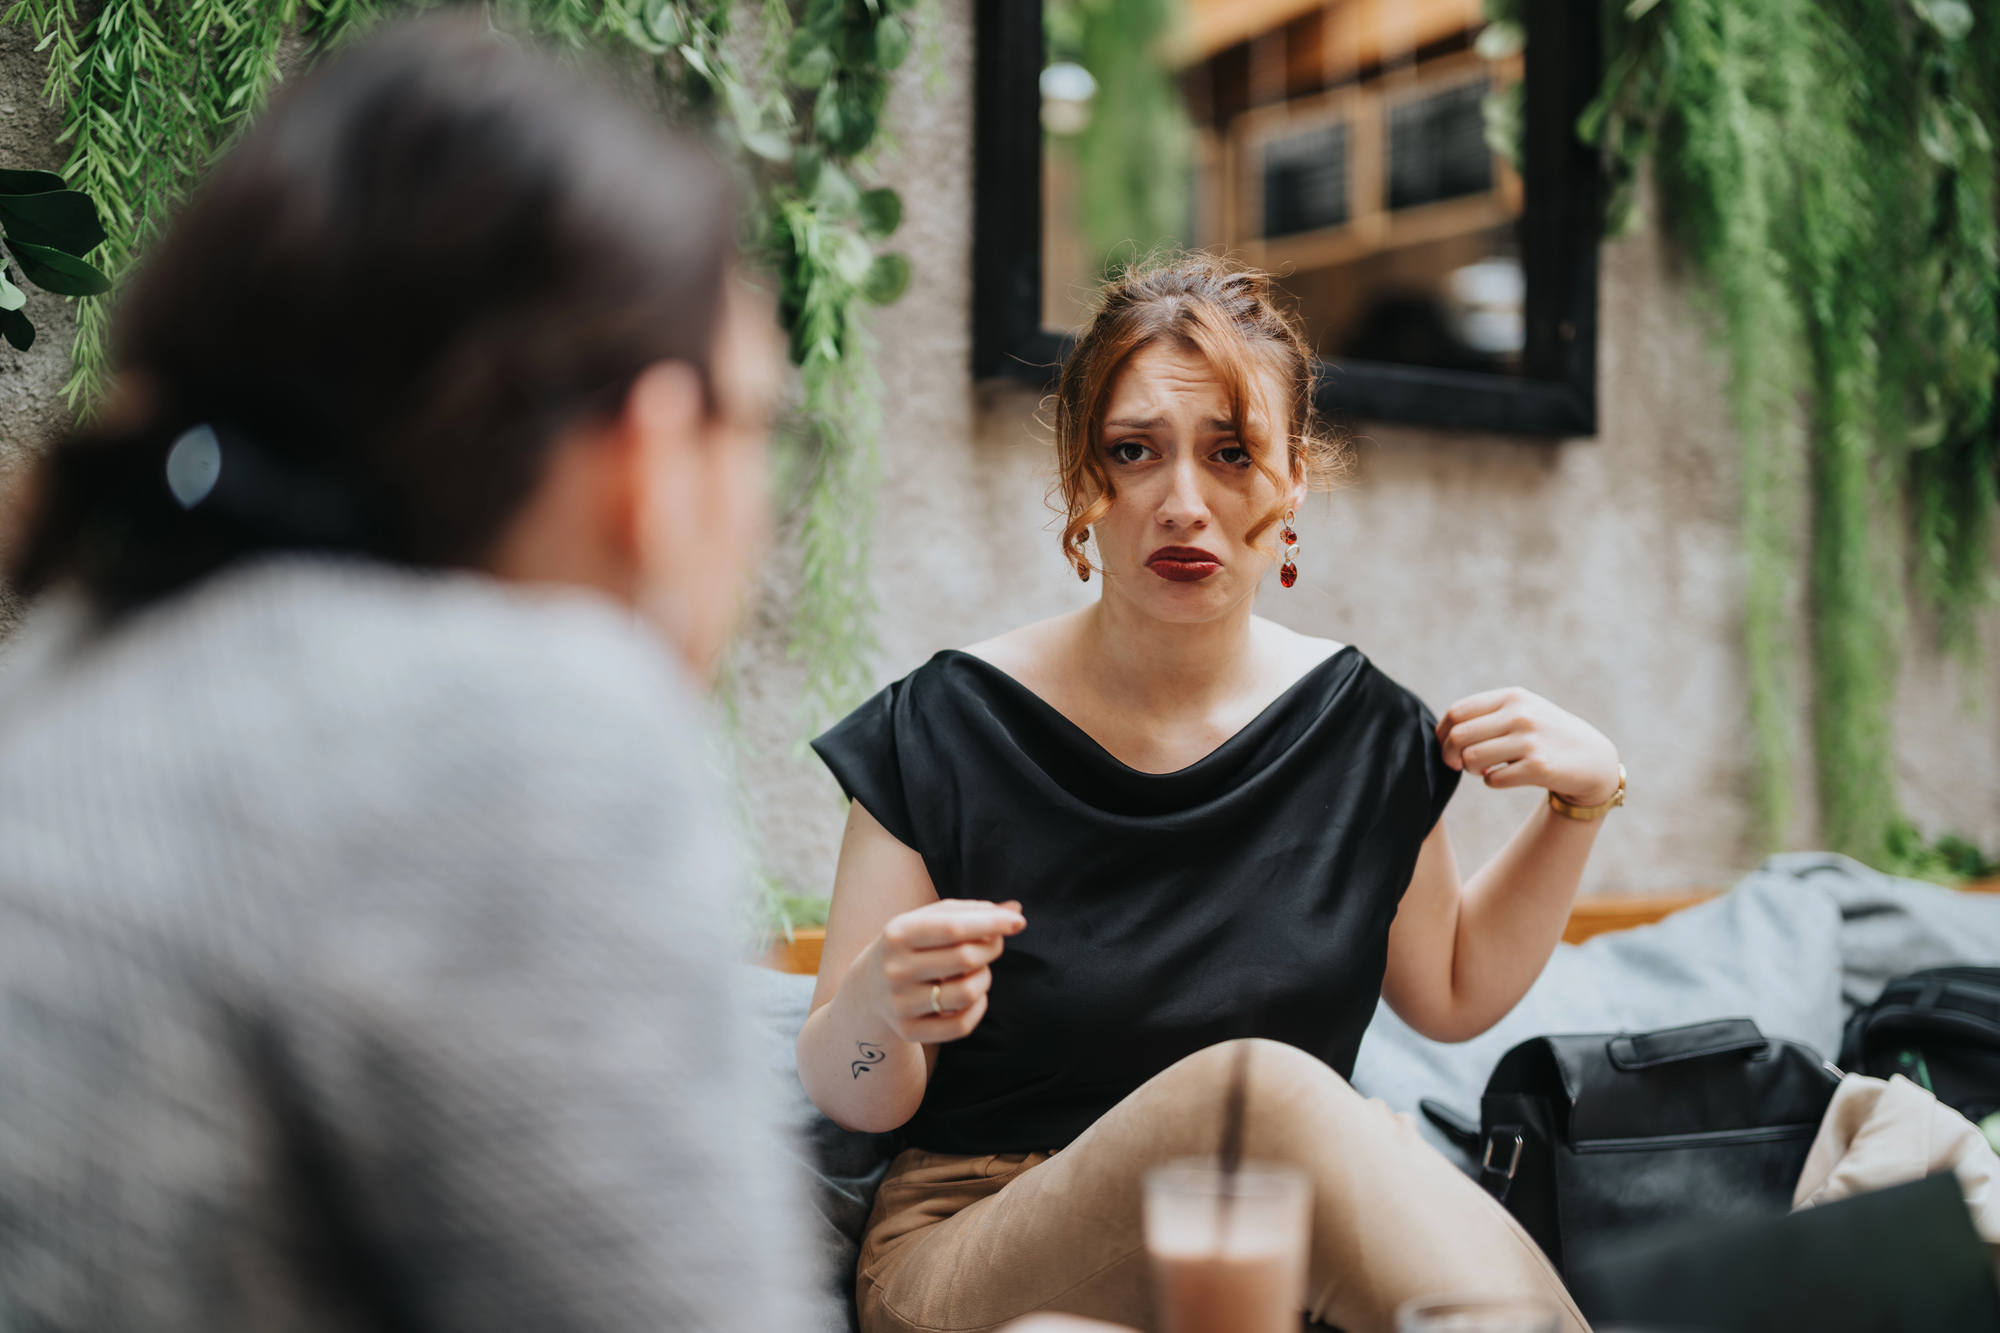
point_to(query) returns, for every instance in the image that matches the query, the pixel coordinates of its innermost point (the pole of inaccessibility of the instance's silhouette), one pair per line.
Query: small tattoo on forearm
(871, 1054)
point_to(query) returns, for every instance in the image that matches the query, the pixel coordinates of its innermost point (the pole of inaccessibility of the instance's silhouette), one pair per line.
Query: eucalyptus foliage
(1830, 165)
(152, 90)
(50, 231)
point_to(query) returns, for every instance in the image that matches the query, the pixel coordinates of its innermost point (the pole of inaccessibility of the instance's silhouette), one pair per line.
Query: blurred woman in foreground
(364, 952)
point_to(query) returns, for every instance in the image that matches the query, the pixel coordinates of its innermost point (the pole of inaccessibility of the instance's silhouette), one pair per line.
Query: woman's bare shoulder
(1031, 652)
(1299, 652)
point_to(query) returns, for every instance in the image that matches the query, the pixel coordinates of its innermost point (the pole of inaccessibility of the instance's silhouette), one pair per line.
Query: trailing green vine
(1830, 166)
(152, 90)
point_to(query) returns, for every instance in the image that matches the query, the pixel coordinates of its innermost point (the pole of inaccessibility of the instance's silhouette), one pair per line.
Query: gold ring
(936, 1008)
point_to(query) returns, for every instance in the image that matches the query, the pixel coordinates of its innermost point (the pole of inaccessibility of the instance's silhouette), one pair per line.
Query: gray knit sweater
(365, 964)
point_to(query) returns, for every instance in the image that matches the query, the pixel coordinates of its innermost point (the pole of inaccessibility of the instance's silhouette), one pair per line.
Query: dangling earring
(1288, 570)
(1082, 561)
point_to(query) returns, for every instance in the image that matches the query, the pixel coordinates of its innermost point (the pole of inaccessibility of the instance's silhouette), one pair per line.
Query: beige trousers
(958, 1244)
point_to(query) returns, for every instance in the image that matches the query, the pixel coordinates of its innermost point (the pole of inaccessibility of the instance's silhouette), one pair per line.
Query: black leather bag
(1941, 1030)
(1591, 1139)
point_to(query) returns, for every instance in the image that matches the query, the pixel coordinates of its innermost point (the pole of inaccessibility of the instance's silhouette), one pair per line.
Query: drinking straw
(1233, 1106)
(1235, 1102)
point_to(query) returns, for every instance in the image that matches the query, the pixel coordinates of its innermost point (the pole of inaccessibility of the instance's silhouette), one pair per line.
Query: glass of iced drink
(1472, 1314)
(1228, 1250)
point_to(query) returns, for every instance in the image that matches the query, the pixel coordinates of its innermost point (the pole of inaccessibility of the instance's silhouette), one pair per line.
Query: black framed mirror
(1366, 161)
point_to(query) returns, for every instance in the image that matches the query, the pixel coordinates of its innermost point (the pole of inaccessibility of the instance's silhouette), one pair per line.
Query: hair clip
(213, 464)
(194, 465)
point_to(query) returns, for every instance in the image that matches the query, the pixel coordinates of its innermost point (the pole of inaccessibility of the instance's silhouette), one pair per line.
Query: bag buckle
(1499, 1180)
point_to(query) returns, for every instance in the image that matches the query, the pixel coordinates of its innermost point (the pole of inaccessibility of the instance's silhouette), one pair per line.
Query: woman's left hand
(1512, 738)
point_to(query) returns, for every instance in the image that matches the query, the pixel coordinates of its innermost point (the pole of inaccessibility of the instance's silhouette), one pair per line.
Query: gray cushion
(842, 1168)
(1890, 927)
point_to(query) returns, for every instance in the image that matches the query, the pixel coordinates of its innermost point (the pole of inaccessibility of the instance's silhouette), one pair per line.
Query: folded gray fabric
(1892, 927)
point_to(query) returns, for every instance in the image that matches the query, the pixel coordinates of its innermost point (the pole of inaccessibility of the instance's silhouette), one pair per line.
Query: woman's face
(1187, 493)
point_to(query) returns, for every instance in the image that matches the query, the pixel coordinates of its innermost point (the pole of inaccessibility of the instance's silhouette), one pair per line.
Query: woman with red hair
(1088, 858)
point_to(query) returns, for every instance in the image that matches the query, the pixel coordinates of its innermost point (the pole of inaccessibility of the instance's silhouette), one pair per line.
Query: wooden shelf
(798, 955)
(1597, 916)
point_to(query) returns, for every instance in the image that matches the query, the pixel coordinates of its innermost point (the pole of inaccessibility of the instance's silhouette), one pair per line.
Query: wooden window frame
(1555, 395)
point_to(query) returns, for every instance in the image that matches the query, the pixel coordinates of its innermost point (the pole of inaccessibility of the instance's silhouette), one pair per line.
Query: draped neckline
(1077, 761)
(1250, 893)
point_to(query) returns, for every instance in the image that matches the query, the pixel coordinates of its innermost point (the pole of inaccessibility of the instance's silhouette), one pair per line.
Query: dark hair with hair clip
(424, 265)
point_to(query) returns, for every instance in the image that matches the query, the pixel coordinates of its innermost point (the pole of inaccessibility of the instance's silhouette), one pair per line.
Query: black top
(1249, 894)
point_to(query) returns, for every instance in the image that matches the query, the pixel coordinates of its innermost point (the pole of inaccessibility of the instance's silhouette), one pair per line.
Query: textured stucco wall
(1604, 573)
(1947, 720)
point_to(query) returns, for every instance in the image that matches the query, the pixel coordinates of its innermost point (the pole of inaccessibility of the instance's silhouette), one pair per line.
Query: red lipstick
(1182, 564)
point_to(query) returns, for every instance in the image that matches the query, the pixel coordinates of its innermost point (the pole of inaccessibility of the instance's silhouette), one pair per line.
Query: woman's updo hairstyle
(1229, 315)
(425, 264)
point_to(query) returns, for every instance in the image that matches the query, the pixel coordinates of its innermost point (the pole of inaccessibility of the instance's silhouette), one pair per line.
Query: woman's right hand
(942, 951)
(868, 1047)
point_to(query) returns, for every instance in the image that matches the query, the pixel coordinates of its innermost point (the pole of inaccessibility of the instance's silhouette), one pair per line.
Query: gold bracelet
(1562, 807)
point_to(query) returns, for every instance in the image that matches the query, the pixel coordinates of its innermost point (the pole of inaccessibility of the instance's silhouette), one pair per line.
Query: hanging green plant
(50, 229)
(152, 90)
(1830, 166)
(821, 226)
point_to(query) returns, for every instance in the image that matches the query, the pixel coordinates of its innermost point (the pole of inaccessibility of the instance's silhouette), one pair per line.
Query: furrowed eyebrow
(1217, 424)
